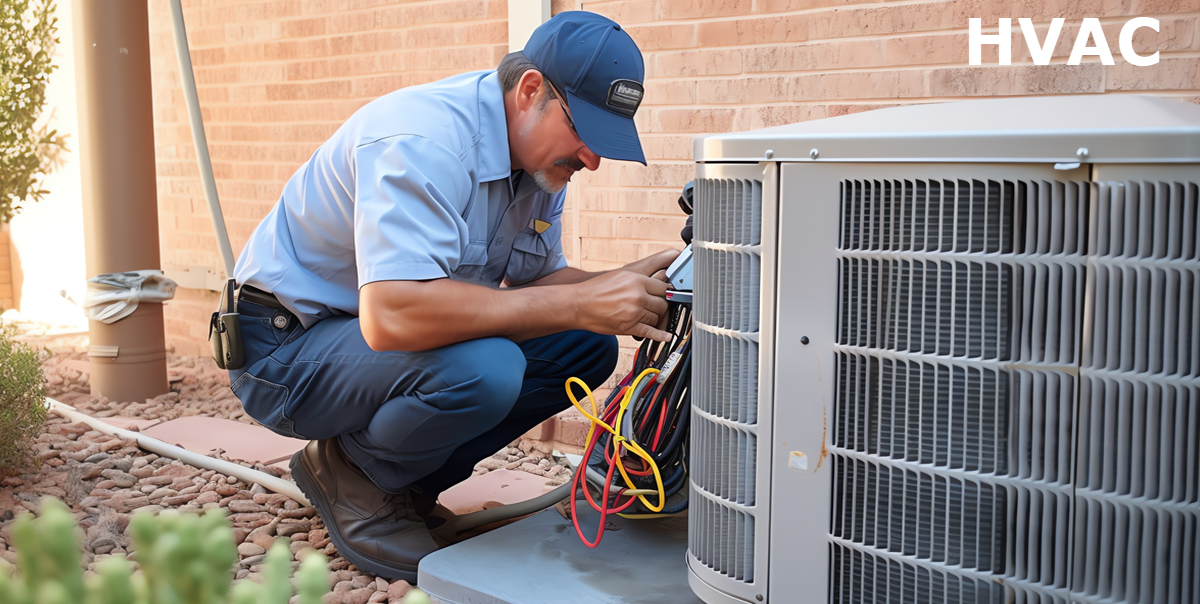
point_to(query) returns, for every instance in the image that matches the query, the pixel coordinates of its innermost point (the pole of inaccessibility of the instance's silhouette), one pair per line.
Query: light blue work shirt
(415, 185)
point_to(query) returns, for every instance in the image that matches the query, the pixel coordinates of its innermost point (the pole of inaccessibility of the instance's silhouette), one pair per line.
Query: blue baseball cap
(598, 67)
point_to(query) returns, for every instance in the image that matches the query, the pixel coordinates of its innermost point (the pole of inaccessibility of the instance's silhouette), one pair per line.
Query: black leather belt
(257, 296)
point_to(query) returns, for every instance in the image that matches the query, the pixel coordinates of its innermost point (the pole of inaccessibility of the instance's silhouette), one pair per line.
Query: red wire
(579, 481)
(662, 416)
(646, 417)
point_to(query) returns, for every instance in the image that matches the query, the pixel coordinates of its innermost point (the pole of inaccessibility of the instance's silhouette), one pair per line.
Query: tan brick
(669, 92)
(309, 91)
(667, 147)
(381, 85)
(855, 54)
(757, 89)
(858, 84)
(193, 224)
(702, 9)
(658, 174)
(939, 49)
(751, 118)
(596, 225)
(657, 228)
(1150, 7)
(788, 28)
(199, 37)
(697, 63)
(436, 12)
(1167, 74)
(1016, 80)
(837, 110)
(595, 199)
(607, 250)
(663, 37)
(653, 201)
(693, 120)
(352, 22)
(626, 12)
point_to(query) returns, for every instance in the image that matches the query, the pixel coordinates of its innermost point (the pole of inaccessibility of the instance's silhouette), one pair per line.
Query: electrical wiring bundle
(636, 459)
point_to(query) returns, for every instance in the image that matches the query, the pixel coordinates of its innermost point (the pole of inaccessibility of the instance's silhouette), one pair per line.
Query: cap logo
(624, 96)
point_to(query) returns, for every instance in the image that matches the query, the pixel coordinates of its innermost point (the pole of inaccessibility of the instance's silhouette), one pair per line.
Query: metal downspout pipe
(116, 146)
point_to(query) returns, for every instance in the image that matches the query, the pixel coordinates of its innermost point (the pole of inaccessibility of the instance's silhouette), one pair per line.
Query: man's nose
(590, 160)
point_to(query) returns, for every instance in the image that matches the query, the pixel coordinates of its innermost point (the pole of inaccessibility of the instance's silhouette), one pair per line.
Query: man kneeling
(372, 313)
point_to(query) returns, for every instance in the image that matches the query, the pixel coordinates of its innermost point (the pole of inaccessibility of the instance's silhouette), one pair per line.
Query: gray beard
(544, 183)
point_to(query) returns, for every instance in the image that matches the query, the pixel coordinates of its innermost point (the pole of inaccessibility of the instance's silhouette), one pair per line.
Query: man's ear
(528, 89)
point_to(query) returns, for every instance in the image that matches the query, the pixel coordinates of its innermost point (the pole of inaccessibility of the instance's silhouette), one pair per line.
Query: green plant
(22, 399)
(185, 558)
(27, 151)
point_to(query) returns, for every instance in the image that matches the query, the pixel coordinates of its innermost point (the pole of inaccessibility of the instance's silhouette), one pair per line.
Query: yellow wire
(618, 438)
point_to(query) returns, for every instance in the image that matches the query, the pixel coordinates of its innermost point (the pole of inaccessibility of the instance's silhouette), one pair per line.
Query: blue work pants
(408, 418)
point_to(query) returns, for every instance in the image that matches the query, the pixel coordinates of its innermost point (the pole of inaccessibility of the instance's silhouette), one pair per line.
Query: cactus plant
(185, 559)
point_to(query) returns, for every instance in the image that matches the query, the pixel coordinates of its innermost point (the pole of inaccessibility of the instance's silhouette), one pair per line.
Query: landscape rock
(250, 549)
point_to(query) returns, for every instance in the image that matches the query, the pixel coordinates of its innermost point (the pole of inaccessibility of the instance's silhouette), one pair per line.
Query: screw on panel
(1082, 152)
(804, 340)
(770, 153)
(813, 154)
(759, 597)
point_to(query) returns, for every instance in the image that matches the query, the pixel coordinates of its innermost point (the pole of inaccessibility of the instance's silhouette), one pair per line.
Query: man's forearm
(421, 315)
(564, 276)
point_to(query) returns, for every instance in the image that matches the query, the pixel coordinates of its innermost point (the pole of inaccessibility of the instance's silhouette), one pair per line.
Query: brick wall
(277, 77)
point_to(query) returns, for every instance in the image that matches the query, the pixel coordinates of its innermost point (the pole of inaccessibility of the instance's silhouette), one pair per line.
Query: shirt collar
(494, 160)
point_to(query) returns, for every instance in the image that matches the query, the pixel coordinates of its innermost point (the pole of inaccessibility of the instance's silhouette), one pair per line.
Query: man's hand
(653, 264)
(420, 315)
(623, 303)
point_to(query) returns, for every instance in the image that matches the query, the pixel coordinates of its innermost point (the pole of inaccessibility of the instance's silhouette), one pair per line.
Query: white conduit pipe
(228, 468)
(192, 100)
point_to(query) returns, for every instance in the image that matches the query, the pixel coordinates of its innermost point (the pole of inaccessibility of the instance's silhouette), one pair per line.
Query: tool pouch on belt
(225, 330)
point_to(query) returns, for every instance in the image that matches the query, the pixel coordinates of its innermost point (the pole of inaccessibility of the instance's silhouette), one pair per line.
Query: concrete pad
(540, 560)
(239, 440)
(502, 487)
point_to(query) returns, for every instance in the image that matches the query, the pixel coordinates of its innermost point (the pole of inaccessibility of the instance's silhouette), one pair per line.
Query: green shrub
(185, 558)
(22, 400)
(27, 152)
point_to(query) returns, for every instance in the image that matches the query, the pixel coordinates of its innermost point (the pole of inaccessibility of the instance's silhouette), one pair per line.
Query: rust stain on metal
(824, 417)
(824, 432)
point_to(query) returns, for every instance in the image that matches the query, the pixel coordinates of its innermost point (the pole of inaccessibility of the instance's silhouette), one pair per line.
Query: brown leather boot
(378, 532)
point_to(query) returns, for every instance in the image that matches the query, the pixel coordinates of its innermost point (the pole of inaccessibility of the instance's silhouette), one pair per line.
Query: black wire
(667, 403)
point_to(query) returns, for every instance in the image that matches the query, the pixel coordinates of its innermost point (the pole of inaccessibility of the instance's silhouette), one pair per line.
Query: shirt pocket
(528, 257)
(474, 254)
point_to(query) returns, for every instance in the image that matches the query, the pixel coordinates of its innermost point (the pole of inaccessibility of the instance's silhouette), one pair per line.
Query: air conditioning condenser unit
(950, 353)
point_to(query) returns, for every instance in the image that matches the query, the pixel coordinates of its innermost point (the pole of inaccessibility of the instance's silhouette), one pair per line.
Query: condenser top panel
(1107, 128)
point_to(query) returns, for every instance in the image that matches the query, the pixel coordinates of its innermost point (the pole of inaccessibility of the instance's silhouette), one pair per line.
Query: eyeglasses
(562, 103)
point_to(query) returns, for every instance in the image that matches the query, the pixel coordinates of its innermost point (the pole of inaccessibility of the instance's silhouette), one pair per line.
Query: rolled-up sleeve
(410, 193)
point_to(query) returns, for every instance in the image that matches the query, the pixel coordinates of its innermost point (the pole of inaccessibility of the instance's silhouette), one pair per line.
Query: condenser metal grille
(1137, 502)
(724, 437)
(959, 312)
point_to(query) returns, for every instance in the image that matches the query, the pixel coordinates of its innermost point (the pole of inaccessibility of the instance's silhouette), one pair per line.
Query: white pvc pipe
(188, 79)
(228, 468)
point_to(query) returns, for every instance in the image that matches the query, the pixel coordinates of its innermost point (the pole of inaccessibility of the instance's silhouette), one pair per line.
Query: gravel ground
(105, 479)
